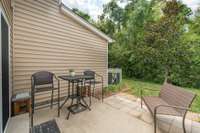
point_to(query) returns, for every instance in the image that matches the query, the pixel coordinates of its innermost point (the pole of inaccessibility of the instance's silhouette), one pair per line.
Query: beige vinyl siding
(46, 39)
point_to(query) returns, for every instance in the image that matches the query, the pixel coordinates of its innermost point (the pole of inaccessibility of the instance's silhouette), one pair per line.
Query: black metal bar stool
(43, 81)
(94, 82)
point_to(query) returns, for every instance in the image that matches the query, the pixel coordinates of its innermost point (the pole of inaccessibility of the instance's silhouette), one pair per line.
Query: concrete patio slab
(103, 118)
(118, 114)
(166, 123)
(146, 117)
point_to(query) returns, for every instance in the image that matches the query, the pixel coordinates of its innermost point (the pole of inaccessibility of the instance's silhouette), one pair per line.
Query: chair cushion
(153, 101)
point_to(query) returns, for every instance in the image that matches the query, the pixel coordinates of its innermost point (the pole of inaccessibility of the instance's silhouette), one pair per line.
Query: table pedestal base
(77, 108)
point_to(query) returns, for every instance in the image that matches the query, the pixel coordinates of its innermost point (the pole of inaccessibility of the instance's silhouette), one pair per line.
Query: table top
(76, 77)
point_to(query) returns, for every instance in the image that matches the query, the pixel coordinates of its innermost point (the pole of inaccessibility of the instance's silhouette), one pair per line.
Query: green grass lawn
(136, 85)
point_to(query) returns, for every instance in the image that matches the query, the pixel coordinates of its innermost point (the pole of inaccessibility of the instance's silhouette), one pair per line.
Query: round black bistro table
(75, 86)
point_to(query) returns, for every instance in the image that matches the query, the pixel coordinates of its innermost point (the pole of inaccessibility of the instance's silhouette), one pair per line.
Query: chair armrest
(171, 106)
(56, 78)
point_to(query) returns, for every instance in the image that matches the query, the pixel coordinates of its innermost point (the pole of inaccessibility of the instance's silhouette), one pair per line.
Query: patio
(119, 113)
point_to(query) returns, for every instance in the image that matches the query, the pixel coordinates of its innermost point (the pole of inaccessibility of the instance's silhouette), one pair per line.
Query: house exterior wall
(46, 39)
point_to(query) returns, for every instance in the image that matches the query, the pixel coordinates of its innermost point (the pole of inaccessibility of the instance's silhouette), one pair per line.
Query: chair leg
(69, 111)
(154, 122)
(90, 95)
(31, 126)
(68, 115)
(86, 104)
(32, 111)
(93, 93)
(58, 98)
(52, 99)
(184, 130)
(102, 93)
(31, 120)
(90, 101)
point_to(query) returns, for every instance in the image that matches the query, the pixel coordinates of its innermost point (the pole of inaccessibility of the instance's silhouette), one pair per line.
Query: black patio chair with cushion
(41, 82)
(97, 79)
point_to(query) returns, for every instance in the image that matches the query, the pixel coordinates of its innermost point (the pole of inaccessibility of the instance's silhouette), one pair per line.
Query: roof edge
(83, 22)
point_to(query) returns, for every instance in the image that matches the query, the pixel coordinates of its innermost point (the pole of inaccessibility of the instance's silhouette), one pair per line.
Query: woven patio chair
(94, 81)
(43, 81)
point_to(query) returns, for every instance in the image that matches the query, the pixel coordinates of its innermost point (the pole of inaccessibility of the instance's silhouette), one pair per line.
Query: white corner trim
(69, 13)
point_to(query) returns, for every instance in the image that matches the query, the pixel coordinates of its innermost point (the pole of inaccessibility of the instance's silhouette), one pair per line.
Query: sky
(95, 7)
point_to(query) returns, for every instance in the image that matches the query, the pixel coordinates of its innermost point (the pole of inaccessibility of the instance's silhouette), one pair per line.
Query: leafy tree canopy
(154, 40)
(82, 14)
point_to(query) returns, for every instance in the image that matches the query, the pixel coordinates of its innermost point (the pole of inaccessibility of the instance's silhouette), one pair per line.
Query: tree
(82, 14)
(164, 36)
(195, 26)
(114, 13)
(126, 27)
(155, 40)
